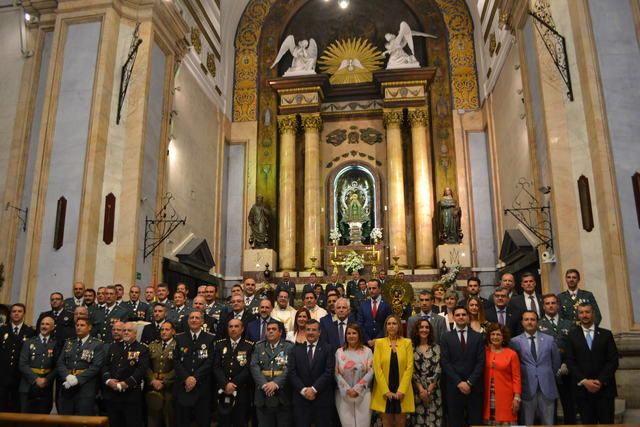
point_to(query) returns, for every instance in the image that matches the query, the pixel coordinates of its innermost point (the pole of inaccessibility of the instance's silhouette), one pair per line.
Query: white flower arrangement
(334, 234)
(376, 234)
(353, 262)
(450, 278)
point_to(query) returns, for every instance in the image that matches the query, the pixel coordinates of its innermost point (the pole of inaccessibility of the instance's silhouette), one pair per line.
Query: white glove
(72, 380)
(563, 370)
(66, 385)
(119, 387)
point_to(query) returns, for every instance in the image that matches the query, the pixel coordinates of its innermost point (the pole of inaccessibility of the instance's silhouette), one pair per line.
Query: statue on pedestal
(398, 57)
(259, 220)
(305, 54)
(355, 209)
(449, 214)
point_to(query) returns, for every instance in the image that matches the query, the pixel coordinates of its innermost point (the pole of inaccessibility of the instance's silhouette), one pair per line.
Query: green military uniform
(103, 321)
(271, 364)
(37, 360)
(83, 361)
(569, 305)
(160, 403)
(231, 365)
(215, 310)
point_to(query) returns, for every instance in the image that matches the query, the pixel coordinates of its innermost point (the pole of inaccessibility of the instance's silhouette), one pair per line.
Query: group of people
(506, 359)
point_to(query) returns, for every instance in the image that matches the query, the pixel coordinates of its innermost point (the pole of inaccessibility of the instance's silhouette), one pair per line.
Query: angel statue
(304, 55)
(398, 57)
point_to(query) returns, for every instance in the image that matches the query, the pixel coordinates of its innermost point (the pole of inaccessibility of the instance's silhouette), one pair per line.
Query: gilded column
(397, 222)
(287, 202)
(312, 124)
(423, 191)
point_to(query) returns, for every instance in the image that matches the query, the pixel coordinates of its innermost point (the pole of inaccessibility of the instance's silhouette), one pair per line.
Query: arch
(457, 19)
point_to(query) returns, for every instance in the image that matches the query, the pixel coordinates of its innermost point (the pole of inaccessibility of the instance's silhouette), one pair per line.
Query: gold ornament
(195, 40)
(351, 61)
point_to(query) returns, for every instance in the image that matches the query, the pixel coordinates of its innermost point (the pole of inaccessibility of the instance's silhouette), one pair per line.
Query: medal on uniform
(224, 351)
(242, 358)
(6, 336)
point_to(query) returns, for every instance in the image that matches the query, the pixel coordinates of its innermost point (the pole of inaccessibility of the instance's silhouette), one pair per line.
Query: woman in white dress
(354, 374)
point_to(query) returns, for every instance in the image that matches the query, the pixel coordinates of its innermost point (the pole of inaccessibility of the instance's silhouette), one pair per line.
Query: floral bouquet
(376, 234)
(353, 262)
(449, 278)
(334, 235)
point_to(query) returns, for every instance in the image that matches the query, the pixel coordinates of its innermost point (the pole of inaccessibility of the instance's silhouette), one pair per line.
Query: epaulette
(180, 333)
(208, 333)
(221, 340)
(250, 342)
(91, 339)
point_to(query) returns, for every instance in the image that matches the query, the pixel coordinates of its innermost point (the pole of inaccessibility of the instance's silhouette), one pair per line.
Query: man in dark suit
(238, 311)
(473, 290)
(103, 319)
(529, 299)
(257, 329)
(438, 326)
(592, 357)
(554, 325)
(352, 285)
(462, 360)
(311, 374)
(334, 327)
(77, 299)
(139, 309)
(372, 313)
(123, 374)
(151, 332)
(193, 361)
(332, 283)
(65, 327)
(500, 312)
(570, 299)
(232, 376)
(12, 336)
(287, 285)
(179, 311)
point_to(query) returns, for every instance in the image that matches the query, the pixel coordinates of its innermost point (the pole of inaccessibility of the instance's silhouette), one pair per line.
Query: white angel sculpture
(304, 55)
(398, 57)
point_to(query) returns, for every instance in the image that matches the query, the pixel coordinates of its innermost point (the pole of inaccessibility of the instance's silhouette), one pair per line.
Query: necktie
(553, 322)
(194, 337)
(15, 330)
(589, 338)
(374, 309)
(501, 318)
(463, 343)
(237, 316)
(341, 333)
(164, 346)
(573, 296)
(126, 347)
(44, 340)
(534, 306)
(247, 300)
(158, 326)
(233, 345)
(310, 353)
(534, 353)
(263, 329)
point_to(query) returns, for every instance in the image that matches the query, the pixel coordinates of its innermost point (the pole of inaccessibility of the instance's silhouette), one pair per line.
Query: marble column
(312, 124)
(395, 172)
(422, 188)
(287, 126)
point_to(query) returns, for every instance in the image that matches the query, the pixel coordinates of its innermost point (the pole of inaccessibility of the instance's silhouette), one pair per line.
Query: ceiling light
(343, 4)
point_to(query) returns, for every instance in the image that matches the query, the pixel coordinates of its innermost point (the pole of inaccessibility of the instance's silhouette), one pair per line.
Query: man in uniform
(89, 300)
(65, 327)
(150, 295)
(162, 295)
(352, 285)
(138, 309)
(210, 324)
(251, 301)
(37, 368)
(12, 336)
(269, 369)
(283, 310)
(123, 375)
(213, 308)
(184, 288)
(100, 298)
(232, 376)
(160, 378)
(119, 293)
(78, 368)
(332, 284)
(77, 299)
(287, 285)
(193, 360)
(179, 311)
(104, 319)
(151, 332)
(570, 299)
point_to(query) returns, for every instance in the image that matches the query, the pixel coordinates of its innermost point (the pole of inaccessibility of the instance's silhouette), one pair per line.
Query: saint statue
(398, 57)
(259, 218)
(355, 212)
(449, 213)
(305, 55)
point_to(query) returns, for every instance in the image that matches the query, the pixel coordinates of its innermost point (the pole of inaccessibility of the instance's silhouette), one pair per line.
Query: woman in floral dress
(426, 376)
(354, 372)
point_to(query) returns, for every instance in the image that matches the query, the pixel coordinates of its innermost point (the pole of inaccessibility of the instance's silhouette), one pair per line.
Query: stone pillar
(423, 190)
(287, 125)
(312, 124)
(397, 222)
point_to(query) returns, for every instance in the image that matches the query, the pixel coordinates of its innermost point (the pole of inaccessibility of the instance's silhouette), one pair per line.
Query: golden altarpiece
(353, 155)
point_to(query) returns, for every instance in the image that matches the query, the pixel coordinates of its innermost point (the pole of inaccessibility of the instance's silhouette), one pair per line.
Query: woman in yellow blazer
(393, 369)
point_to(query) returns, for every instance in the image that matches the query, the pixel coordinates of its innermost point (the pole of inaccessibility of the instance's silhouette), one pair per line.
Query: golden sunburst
(351, 61)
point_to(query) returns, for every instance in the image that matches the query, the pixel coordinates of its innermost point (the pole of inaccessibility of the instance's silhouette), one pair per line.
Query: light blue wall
(151, 157)
(34, 137)
(619, 61)
(68, 151)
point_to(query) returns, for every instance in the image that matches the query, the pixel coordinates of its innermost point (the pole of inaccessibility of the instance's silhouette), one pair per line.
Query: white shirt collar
(84, 340)
(197, 334)
(235, 342)
(78, 301)
(19, 326)
(169, 341)
(42, 337)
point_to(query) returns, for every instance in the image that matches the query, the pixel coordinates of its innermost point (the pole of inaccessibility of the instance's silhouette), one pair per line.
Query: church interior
(205, 141)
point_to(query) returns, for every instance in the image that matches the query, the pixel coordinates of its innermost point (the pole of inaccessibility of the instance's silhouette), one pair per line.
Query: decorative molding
(418, 117)
(288, 124)
(191, 62)
(211, 64)
(352, 153)
(375, 105)
(196, 42)
(392, 118)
